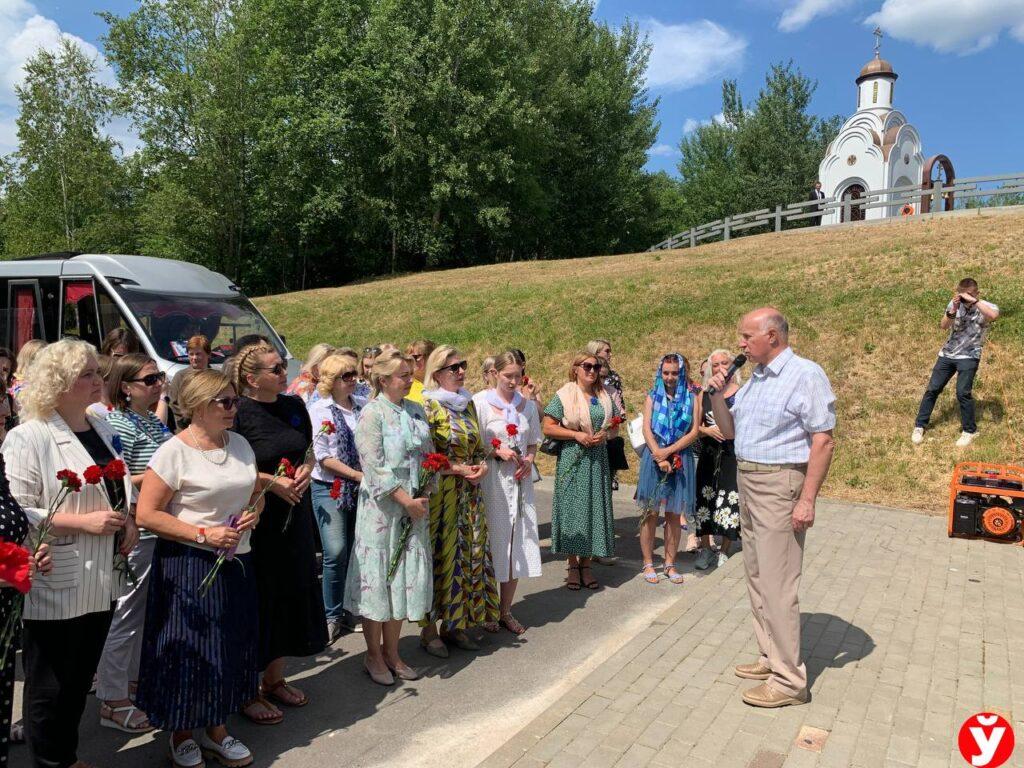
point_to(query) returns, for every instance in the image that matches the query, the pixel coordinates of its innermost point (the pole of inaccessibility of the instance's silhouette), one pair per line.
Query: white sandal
(108, 721)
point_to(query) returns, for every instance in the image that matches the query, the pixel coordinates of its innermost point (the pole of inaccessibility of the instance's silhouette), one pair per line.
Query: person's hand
(803, 515)
(530, 390)
(418, 508)
(665, 466)
(358, 477)
(130, 537)
(967, 299)
(303, 477)
(506, 454)
(246, 521)
(717, 383)
(582, 438)
(286, 488)
(598, 437)
(42, 563)
(475, 473)
(525, 467)
(223, 537)
(660, 454)
(105, 522)
(713, 432)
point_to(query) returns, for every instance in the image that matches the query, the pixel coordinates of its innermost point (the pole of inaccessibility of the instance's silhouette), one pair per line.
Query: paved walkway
(906, 633)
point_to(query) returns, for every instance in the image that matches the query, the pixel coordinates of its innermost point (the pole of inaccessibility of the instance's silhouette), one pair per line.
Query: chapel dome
(877, 66)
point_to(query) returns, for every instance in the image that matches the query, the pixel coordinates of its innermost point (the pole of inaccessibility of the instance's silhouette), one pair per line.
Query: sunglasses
(229, 403)
(150, 379)
(276, 369)
(371, 351)
(349, 377)
(455, 367)
(591, 367)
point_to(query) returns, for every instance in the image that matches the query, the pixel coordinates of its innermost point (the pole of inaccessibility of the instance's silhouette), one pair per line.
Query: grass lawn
(865, 302)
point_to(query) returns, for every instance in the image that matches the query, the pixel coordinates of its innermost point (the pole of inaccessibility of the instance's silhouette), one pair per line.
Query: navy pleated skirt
(199, 654)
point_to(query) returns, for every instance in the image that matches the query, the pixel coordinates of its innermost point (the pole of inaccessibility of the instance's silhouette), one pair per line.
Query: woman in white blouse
(508, 486)
(67, 614)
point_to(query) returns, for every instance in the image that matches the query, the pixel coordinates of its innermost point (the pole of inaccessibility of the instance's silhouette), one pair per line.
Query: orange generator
(986, 501)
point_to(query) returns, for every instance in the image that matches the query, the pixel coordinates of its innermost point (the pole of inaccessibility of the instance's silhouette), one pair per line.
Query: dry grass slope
(865, 302)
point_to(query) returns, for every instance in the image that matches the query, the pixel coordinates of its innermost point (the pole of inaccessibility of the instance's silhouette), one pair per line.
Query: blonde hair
(595, 346)
(387, 364)
(582, 357)
(736, 377)
(316, 355)
(331, 368)
(436, 362)
(246, 363)
(485, 369)
(421, 347)
(200, 388)
(53, 372)
(504, 360)
(26, 355)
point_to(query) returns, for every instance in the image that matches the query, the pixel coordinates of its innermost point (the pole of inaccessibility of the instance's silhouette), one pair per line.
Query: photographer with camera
(969, 317)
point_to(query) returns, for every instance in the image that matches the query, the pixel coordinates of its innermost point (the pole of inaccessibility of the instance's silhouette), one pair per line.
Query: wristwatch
(201, 536)
(951, 314)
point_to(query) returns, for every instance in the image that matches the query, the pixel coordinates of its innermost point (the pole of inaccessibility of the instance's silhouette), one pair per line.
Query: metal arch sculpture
(937, 168)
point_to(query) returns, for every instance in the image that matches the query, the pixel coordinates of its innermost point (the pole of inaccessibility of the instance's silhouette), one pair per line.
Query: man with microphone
(782, 422)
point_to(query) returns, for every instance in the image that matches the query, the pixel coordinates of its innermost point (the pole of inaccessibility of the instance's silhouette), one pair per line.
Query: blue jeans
(337, 531)
(941, 374)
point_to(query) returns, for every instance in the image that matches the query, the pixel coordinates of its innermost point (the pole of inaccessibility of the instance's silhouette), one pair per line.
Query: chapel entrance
(856, 212)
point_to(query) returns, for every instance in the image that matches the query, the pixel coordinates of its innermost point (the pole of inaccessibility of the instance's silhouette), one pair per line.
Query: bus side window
(79, 319)
(110, 315)
(25, 318)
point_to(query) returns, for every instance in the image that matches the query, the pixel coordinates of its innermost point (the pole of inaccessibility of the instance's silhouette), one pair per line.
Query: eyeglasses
(150, 379)
(591, 367)
(349, 377)
(276, 369)
(455, 367)
(371, 351)
(229, 403)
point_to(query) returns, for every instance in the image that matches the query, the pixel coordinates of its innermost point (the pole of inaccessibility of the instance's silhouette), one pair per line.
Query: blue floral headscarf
(671, 416)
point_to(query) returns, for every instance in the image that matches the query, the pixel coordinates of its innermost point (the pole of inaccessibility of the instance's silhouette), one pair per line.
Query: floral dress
(718, 498)
(465, 590)
(391, 440)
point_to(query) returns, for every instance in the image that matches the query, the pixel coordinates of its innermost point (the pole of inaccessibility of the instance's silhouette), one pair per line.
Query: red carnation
(115, 470)
(336, 489)
(14, 567)
(512, 430)
(70, 480)
(327, 427)
(615, 421)
(677, 462)
(495, 443)
(93, 475)
(286, 468)
(526, 381)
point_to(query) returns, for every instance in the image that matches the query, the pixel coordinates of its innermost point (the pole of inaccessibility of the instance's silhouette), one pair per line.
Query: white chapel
(876, 149)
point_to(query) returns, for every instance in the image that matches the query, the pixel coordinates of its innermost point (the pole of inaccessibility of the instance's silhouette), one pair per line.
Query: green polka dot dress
(581, 514)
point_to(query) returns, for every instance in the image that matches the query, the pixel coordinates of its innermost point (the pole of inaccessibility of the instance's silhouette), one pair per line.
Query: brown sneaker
(766, 696)
(756, 671)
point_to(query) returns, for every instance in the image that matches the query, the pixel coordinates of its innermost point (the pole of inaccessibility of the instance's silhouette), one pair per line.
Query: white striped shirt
(777, 411)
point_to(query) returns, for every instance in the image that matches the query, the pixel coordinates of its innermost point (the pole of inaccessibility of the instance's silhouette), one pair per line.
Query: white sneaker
(722, 559)
(186, 754)
(231, 752)
(917, 436)
(966, 438)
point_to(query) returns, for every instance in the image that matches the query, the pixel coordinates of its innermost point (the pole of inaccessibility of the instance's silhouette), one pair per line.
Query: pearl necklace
(203, 452)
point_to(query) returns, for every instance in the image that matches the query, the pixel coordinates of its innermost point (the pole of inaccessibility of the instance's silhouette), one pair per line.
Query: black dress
(291, 607)
(718, 500)
(13, 528)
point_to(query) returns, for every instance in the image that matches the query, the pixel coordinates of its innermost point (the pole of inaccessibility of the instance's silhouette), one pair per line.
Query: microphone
(734, 366)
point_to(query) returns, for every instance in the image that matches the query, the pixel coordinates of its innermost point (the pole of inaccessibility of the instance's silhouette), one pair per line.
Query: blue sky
(958, 61)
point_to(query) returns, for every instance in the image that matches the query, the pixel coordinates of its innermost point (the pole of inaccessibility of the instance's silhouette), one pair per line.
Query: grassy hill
(865, 302)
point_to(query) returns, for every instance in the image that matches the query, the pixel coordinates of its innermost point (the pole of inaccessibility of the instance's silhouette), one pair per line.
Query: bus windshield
(169, 320)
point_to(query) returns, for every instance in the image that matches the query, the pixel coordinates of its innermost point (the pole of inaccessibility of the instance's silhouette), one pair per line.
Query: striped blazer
(83, 579)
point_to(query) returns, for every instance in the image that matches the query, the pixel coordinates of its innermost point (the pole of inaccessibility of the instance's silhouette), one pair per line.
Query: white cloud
(963, 26)
(663, 150)
(23, 32)
(802, 12)
(688, 54)
(690, 125)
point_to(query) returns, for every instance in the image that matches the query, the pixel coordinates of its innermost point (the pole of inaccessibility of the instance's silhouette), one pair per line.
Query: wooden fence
(895, 197)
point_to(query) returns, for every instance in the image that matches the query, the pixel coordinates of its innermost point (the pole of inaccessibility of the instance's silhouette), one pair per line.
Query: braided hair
(246, 363)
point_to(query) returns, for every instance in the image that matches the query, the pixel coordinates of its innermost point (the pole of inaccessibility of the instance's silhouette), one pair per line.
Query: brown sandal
(508, 621)
(272, 694)
(267, 707)
(574, 586)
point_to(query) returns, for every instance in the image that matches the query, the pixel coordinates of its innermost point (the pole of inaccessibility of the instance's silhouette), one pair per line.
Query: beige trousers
(773, 556)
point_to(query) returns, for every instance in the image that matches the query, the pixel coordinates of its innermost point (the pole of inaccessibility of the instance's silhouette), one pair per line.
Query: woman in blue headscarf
(667, 468)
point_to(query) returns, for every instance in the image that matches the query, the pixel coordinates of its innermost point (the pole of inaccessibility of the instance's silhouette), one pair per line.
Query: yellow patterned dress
(465, 590)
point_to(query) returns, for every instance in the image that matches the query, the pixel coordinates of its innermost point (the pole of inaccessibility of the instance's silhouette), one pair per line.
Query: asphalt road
(464, 707)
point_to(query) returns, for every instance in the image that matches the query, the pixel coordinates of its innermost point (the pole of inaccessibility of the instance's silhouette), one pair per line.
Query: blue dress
(677, 489)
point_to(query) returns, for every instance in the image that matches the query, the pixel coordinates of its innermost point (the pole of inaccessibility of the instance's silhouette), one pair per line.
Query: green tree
(65, 188)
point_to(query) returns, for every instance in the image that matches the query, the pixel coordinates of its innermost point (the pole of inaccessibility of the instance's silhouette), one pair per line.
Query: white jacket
(83, 578)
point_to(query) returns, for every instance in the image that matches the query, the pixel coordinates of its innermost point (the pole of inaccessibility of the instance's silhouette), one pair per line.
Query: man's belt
(753, 466)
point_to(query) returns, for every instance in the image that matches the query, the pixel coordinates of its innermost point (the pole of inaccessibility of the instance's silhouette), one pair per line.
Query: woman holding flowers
(465, 591)
(510, 425)
(582, 417)
(671, 427)
(135, 386)
(291, 609)
(199, 650)
(336, 478)
(304, 385)
(392, 438)
(68, 612)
